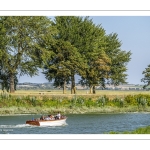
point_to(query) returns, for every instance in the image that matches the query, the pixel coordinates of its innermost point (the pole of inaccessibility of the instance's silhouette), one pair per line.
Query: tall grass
(74, 104)
(143, 130)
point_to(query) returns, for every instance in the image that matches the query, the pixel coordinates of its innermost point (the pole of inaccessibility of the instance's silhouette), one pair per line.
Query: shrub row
(140, 100)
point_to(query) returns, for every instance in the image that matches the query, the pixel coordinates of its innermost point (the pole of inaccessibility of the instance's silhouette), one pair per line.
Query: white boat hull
(58, 122)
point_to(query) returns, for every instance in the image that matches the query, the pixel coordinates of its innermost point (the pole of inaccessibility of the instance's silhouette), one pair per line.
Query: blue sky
(133, 32)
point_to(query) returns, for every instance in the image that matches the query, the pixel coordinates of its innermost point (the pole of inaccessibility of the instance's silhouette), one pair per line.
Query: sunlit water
(77, 124)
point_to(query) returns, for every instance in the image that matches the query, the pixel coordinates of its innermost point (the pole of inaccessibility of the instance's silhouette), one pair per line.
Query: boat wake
(14, 126)
(25, 126)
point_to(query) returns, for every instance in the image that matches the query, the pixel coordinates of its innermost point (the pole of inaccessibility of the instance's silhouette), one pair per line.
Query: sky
(134, 34)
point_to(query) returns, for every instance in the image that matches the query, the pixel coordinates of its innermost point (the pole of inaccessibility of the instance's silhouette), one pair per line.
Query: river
(77, 124)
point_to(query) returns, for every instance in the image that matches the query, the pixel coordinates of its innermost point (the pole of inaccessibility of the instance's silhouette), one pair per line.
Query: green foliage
(4, 76)
(28, 41)
(66, 60)
(80, 101)
(131, 100)
(89, 103)
(102, 101)
(121, 102)
(64, 47)
(146, 78)
(143, 130)
(148, 100)
(119, 60)
(139, 102)
(63, 62)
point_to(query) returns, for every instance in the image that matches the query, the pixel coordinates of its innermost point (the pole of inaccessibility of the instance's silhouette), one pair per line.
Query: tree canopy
(63, 62)
(146, 78)
(100, 58)
(70, 32)
(119, 59)
(26, 47)
(67, 46)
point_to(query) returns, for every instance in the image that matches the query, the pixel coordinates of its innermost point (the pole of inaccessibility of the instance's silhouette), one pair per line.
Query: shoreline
(67, 114)
(77, 110)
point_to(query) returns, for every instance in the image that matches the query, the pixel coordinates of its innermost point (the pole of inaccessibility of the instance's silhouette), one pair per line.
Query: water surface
(77, 124)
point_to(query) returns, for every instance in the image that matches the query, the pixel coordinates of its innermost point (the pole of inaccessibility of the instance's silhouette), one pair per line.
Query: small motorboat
(48, 122)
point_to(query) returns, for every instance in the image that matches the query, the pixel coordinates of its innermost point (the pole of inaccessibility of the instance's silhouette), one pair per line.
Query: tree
(107, 63)
(146, 78)
(28, 38)
(96, 72)
(62, 64)
(87, 38)
(6, 81)
(3, 45)
(93, 50)
(70, 29)
(3, 40)
(119, 59)
(102, 60)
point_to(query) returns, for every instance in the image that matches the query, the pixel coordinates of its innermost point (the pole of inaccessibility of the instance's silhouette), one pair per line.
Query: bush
(136, 101)
(102, 101)
(130, 100)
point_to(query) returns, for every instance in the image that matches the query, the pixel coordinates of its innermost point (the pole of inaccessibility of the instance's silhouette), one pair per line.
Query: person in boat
(47, 118)
(42, 118)
(52, 117)
(58, 116)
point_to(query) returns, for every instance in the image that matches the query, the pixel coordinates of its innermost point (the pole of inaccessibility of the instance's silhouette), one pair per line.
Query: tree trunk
(12, 85)
(64, 87)
(94, 90)
(73, 88)
(91, 89)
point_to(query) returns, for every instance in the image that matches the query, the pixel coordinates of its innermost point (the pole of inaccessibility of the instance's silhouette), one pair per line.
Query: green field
(80, 92)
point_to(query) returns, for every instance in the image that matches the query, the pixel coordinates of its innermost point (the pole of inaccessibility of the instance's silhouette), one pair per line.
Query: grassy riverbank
(40, 102)
(143, 130)
(46, 110)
